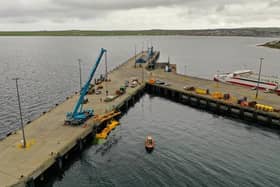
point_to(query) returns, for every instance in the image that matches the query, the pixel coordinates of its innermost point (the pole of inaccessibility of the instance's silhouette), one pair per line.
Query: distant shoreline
(243, 32)
(273, 44)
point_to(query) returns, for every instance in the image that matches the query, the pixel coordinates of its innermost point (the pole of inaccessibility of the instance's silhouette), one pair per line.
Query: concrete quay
(52, 141)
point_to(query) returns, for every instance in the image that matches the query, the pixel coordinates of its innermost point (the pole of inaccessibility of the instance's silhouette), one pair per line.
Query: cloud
(140, 14)
(274, 3)
(75, 8)
(117, 4)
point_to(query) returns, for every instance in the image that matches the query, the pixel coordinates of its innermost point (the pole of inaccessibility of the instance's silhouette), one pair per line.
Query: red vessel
(250, 79)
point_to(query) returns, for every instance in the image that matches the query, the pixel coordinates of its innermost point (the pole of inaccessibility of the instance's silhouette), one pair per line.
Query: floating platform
(106, 131)
(53, 141)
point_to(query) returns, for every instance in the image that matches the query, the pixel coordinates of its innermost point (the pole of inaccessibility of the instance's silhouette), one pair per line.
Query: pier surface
(178, 81)
(52, 139)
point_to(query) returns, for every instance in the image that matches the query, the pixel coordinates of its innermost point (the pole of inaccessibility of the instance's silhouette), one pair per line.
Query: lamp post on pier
(259, 78)
(135, 55)
(21, 120)
(80, 70)
(142, 73)
(106, 67)
(106, 73)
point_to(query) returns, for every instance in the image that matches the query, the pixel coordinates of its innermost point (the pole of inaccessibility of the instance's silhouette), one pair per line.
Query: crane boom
(86, 86)
(78, 115)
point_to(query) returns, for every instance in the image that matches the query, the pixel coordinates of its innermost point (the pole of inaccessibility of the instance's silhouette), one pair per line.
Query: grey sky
(139, 14)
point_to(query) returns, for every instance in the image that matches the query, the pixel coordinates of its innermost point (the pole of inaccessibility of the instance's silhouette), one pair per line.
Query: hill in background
(252, 32)
(272, 44)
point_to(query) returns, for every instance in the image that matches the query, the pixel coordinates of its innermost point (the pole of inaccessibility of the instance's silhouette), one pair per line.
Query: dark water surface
(49, 67)
(193, 147)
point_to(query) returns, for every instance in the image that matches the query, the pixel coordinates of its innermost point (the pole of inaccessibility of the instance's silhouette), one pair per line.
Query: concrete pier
(52, 141)
(176, 92)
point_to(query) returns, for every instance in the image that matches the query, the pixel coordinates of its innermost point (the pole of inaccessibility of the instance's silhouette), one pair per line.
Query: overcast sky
(137, 14)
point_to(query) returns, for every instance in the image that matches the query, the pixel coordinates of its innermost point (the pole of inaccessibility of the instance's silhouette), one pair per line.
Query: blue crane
(150, 51)
(79, 115)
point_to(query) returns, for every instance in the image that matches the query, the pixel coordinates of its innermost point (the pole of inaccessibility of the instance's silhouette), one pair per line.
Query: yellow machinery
(217, 95)
(201, 91)
(264, 107)
(107, 116)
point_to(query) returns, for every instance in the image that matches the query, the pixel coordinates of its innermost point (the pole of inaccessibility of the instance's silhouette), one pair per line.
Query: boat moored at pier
(250, 79)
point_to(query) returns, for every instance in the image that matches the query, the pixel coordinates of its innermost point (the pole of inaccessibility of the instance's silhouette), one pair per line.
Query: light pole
(259, 78)
(135, 54)
(106, 73)
(20, 113)
(142, 73)
(217, 82)
(106, 67)
(80, 70)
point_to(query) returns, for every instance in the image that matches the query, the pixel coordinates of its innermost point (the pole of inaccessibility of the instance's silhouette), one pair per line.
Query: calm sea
(193, 147)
